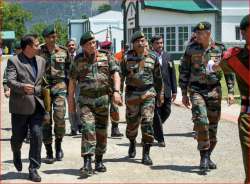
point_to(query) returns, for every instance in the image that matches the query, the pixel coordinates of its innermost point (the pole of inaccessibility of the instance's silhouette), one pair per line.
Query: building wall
(158, 17)
(100, 23)
(232, 13)
(151, 18)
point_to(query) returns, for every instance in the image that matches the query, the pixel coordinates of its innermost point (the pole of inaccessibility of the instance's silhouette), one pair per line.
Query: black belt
(204, 86)
(139, 89)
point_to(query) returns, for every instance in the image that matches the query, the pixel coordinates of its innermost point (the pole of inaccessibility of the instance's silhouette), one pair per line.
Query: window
(159, 31)
(238, 35)
(183, 37)
(170, 39)
(148, 32)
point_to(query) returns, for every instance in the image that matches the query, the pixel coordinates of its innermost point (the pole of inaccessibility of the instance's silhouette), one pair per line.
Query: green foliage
(14, 18)
(104, 8)
(38, 29)
(62, 31)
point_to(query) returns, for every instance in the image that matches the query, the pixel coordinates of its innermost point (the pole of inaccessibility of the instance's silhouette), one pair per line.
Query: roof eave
(181, 11)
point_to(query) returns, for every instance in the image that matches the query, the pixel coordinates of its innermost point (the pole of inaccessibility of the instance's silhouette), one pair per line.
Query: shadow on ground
(14, 176)
(179, 168)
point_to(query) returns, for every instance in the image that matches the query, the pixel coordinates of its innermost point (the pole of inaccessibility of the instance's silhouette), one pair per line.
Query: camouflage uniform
(142, 75)
(205, 91)
(57, 67)
(94, 79)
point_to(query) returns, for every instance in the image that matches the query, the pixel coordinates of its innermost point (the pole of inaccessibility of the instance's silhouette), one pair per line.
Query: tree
(38, 29)
(104, 8)
(61, 28)
(62, 31)
(14, 18)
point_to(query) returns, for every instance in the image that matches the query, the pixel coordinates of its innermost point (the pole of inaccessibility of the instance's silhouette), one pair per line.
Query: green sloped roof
(8, 35)
(189, 6)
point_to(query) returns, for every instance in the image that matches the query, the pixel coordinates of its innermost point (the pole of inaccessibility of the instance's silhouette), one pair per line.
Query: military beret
(244, 23)
(137, 35)
(49, 30)
(202, 26)
(17, 44)
(105, 44)
(87, 36)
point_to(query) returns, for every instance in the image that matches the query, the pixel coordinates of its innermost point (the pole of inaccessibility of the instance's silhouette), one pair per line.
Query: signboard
(131, 16)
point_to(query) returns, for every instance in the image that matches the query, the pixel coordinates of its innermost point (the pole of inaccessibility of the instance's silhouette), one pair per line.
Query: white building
(108, 23)
(111, 21)
(174, 20)
(232, 13)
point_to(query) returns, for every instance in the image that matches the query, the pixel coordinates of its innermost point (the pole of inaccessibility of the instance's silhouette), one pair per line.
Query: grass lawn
(223, 85)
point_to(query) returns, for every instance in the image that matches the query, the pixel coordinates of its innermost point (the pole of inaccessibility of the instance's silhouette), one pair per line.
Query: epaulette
(103, 51)
(231, 52)
(80, 55)
(62, 47)
(220, 44)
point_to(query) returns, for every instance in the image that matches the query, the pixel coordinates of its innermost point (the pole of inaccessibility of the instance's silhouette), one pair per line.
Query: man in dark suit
(24, 78)
(170, 88)
(74, 118)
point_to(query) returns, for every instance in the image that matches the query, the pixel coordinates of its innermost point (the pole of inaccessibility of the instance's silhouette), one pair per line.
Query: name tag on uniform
(60, 59)
(102, 63)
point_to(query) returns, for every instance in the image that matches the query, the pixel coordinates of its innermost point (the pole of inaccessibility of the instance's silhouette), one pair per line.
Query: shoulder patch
(231, 52)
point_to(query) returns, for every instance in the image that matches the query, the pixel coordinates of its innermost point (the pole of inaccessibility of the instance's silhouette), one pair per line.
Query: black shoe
(99, 166)
(59, 151)
(146, 160)
(132, 150)
(86, 170)
(204, 167)
(49, 158)
(161, 144)
(17, 160)
(115, 132)
(211, 164)
(34, 176)
(80, 128)
(73, 133)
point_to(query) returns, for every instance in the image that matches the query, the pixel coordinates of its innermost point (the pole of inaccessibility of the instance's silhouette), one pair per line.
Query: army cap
(87, 36)
(137, 35)
(203, 26)
(244, 23)
(17, 44)
(49, 30)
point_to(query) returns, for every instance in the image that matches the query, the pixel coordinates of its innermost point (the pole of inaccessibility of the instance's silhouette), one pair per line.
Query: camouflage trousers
(244, 133)
(114, 113)
(139, 113)
(94, 118)
(58, 96)
(206, 111)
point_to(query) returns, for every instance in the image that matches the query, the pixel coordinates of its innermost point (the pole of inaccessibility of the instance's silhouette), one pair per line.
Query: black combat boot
(132, 150)
(99, 166)
(49, 158)
(115, 132)
(17, 160)
(211, 164)
(33, 175)
(59, 151)
(204, 161)
(145, 155)
(86, 170)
